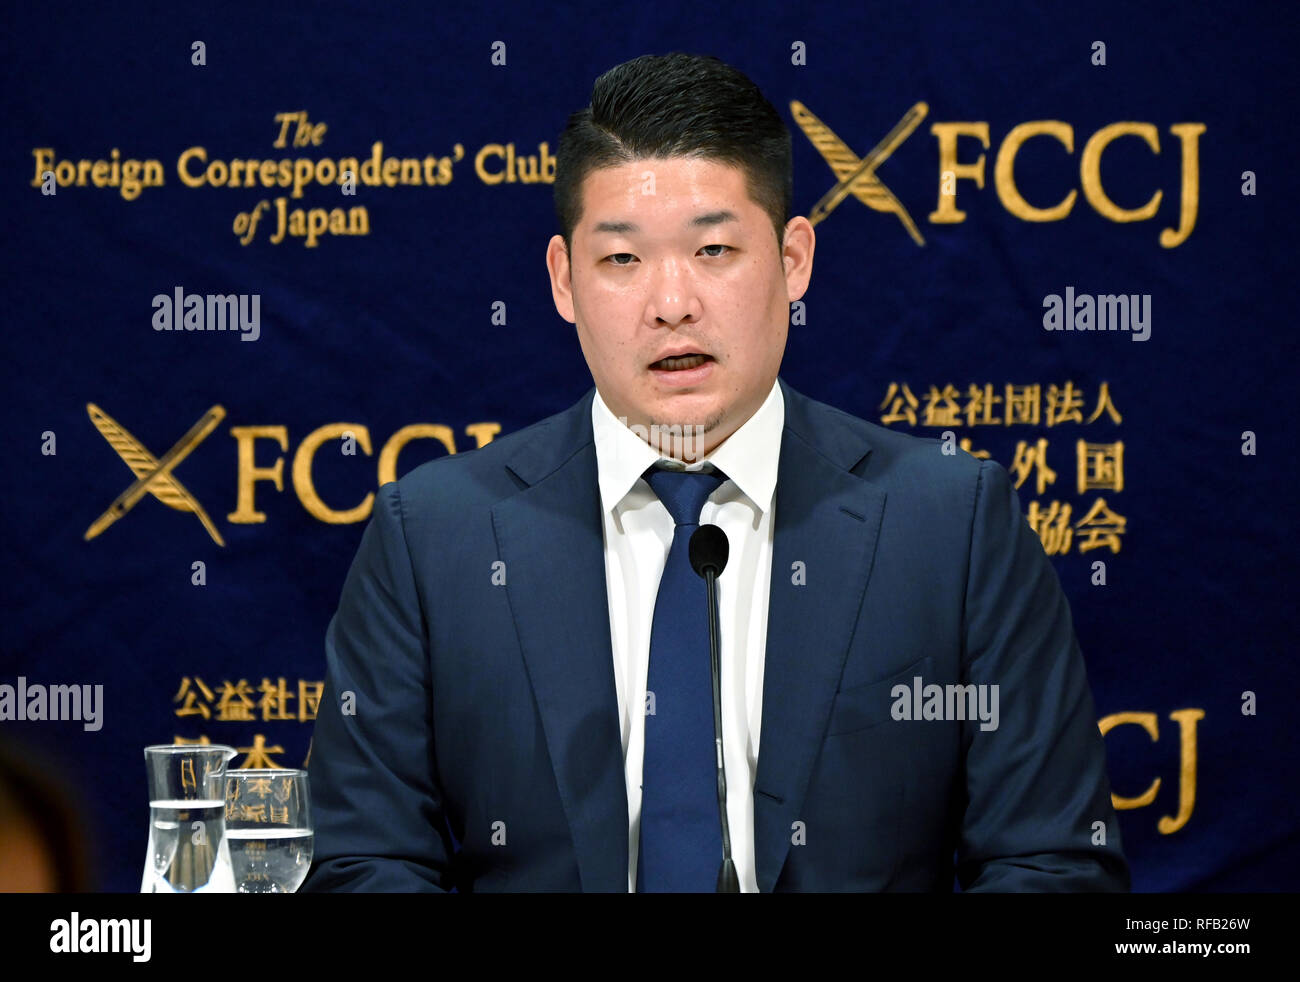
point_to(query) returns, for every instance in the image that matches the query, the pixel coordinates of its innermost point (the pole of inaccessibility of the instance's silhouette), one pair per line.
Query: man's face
(679, 292)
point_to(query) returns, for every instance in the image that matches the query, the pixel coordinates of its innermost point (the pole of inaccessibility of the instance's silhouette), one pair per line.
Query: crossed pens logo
(963, 169)
(153, 475)
(858, 176)
(287, 471)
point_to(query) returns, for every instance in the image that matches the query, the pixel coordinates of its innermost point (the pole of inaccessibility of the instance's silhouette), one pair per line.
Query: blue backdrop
(415, 316)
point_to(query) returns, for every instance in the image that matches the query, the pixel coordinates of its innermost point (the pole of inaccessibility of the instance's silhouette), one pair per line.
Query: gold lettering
(484, 175)
(483, 432)
(1148, 722)
(1090, 171)
(249, 474)
(1004, 177)
(285, 120)
(306, 488)
(1189, 134)
(281, 209)
(1186, 719)
(188, 179)
(416, 431)
(947, 133)
(44, 161)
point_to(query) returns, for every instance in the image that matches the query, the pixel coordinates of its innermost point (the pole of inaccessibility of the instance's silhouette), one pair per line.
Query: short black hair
(676, 105)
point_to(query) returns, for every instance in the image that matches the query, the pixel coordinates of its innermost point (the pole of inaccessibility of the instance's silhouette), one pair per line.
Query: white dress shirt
(638, 533)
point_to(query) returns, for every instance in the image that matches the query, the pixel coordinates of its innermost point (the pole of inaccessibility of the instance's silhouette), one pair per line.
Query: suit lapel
(828, 520)
(550, 537)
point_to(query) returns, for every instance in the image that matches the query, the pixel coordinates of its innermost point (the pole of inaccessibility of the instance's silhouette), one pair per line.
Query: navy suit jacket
(468, 734)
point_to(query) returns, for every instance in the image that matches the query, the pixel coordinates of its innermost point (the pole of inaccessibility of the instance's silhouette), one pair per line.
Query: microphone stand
(727, 879)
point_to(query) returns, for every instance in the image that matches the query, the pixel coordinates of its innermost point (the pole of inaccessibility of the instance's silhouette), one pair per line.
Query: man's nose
(673, 293)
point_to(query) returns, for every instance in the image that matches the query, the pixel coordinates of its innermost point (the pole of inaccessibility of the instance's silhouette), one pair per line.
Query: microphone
(708, 554)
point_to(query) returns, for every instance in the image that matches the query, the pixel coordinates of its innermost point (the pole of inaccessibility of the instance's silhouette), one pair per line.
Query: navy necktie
(681, 838)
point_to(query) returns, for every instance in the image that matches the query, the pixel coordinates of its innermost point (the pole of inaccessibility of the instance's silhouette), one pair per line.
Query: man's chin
(686, 409)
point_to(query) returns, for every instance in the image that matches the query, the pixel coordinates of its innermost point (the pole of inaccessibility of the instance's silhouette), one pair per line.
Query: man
(518, 687)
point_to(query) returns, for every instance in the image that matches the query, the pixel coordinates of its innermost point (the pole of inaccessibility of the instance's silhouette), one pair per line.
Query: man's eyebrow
(699, 221)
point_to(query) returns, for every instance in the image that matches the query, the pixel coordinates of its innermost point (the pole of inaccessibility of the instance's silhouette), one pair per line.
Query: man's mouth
(680, 363)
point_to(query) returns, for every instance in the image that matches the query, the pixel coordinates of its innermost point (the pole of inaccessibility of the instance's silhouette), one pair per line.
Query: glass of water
(187, 850)
(268, 829)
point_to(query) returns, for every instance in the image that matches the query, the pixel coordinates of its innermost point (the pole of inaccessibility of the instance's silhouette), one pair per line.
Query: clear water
(187, 851)
(269, 860)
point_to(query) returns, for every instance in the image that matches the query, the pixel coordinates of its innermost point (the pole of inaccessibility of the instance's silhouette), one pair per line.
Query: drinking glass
(268, 827)
(187, 851)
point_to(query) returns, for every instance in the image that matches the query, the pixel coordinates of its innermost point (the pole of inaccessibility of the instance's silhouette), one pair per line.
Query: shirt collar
(750, 457)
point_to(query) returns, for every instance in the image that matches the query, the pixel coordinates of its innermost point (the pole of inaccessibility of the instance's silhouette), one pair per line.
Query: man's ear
(797, 256)
(558, 265)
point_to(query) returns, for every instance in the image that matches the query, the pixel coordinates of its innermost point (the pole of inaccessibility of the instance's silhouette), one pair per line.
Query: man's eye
(613, 259)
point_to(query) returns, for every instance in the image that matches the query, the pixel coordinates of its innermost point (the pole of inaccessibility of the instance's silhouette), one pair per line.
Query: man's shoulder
(893, 458)
(484, 473)
(930, 483)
